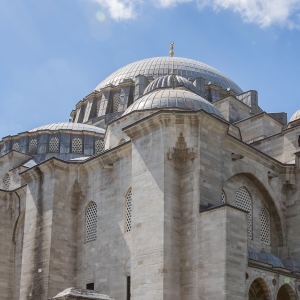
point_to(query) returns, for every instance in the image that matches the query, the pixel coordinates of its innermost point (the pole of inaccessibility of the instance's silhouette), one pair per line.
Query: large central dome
(161, 66)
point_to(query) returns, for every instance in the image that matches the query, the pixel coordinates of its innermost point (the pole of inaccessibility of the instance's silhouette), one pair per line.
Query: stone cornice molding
(13, 153)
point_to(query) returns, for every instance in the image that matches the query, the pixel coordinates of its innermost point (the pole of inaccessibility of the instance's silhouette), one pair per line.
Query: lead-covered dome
(168, 81)
(270, 259)
(161, 66)
(69, 126)
(170, 98)
(295, 116)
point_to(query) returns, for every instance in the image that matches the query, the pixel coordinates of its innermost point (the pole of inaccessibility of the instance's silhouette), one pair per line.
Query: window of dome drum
(99, 146)
(128, 210)
(265, 226)
(54, 144)
(7, 182)
(77, 145)
(243, 201)
(98, 108)
(33, 146)
(116, 101)
(91, 222)
(15, 146)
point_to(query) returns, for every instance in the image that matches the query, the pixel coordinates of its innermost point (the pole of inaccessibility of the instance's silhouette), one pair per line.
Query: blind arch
(243, 201)
(91, 222)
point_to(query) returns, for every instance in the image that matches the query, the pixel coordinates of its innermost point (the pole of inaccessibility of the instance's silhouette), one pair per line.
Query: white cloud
(119, 9)
(262, 12)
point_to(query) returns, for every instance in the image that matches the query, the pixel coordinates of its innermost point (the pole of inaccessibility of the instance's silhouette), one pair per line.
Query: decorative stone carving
(180, 152)
(73, 293)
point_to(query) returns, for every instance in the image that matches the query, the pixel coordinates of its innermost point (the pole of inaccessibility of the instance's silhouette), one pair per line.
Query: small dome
(252, 254)
(167, 82)
(295, 116)
(69, 126)
(270, 259)
(170, 98)
(292, 264)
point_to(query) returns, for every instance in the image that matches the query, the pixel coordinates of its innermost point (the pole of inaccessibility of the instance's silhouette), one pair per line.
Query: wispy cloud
(262, 12)
(119, 9)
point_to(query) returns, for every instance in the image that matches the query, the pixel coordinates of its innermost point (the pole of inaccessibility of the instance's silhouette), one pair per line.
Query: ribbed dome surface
(169, 98)
(167, 82)
(161, 66)
(295, 116)
(69, 126)
(270, 259)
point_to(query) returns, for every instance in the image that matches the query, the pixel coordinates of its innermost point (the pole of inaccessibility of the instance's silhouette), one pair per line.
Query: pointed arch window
(243, 201)
(116, 101)
(91, 222)
(265, 226)
(33, 146)
(99, 146)
(15, 146)
(54, 145)
(128, 207)
(77, 145)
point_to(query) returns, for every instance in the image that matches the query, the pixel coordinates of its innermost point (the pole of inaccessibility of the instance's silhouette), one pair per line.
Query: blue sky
(55, 52)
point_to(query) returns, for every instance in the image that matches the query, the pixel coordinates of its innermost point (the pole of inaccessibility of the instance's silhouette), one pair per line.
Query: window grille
(128, 210)
(99, 146)
(116, 101)
(98, 108)
(15, 146)
(7, 182)
(223, 197)
(91, 222)
(54, 145)
(243, 201)
(77, 145)
(265, 226)
(128, 292)
(33, 146)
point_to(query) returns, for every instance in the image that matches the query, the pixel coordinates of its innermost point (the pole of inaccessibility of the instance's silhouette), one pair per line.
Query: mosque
(169, 182)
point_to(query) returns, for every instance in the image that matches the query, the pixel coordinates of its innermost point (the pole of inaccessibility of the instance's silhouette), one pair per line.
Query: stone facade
(179, 204)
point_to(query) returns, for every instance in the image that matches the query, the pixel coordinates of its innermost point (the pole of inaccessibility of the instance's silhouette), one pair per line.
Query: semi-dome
(69, 126)
(270, 259)
(252, 253)
(295, 116)
(292, 264)
(168, 81)
(171, 98)
(161, 66)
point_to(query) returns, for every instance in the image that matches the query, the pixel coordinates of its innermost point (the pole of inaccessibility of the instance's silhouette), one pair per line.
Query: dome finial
(172, 49)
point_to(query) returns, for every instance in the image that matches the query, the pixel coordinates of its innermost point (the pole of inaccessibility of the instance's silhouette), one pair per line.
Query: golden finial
(172, 49)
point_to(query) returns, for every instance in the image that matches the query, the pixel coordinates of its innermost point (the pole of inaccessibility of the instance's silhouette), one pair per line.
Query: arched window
(15, 146)
(265, 226)
(223, 197)
(98, 108)
(99, 146)
(116, 101)
(6, 182)
(77, 145)
(91, 222)
(128, 207)
(243, 201)
(54, 145)
(33, 146)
